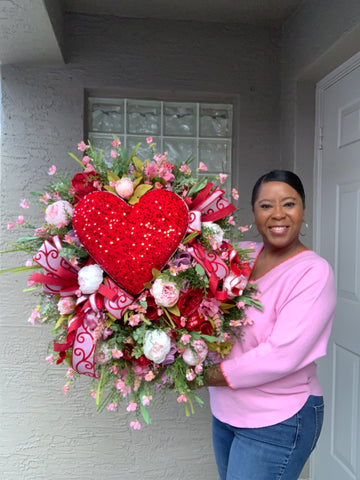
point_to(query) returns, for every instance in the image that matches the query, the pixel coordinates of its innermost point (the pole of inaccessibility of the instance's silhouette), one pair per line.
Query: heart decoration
(128, 241)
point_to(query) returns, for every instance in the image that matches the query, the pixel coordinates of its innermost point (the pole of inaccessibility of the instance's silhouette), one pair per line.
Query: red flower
(83, 183)
(142, 361)
(190, 301)
(151, 309)
(198, 323)
(245, 269)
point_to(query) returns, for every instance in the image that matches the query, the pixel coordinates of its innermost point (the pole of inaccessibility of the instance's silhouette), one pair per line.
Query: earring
(306, 229)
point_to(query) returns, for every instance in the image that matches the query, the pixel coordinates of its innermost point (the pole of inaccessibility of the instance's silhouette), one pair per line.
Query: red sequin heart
(128, 241)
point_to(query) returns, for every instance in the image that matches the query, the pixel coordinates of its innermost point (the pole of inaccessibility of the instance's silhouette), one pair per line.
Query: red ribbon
(61, 276)
(208, 206)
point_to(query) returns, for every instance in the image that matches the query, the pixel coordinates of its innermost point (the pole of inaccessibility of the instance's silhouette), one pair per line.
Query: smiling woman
(265, 396)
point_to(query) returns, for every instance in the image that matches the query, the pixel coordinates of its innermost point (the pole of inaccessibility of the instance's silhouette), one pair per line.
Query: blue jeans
(277, 452)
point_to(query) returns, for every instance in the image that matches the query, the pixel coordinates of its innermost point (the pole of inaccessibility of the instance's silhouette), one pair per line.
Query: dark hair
(279, 176)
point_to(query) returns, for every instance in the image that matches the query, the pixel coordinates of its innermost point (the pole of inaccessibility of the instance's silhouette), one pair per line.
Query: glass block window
(200, 130)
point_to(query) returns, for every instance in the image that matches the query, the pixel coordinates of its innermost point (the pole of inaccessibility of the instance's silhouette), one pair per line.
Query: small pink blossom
(89, 168)
(198, 368)
(146, 399)
(82, 146)
(113, 369)
(231, 220)
(45, 198)
(70, 373)
(240, 304)
(86, 160)
(50, 358)
(190, 375)
(52, 170)
(149, 140)
(29, 263)
(57, 196)
(10, 225)
(182, 398)
(113, 154)
(111, 407)
(247, 322)
(93, 393)
(243, 229)
(222, 178)
(35, 315)
(134, 320)
(132, 407)
(185, 169)
(65, 388)
(203, 167)
(185, 338)
(149, 376)
(24, 204)
(235, 323)
(116, 353)
(115, 143)
(135, 425)
(235, 194)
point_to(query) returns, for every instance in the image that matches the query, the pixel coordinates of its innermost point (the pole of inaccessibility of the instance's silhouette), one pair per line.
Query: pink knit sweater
(271, 370)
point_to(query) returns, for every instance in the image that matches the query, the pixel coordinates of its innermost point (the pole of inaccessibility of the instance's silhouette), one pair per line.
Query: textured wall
(45, 434)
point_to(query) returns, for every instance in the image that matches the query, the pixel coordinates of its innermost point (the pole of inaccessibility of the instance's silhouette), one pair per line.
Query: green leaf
(197, 187)
(20, 269)
(199, 269)
(209, 338)
(75, 158)
(175, 310)
(140, 190)
(145, 414)
(190, 237)
(112, 177)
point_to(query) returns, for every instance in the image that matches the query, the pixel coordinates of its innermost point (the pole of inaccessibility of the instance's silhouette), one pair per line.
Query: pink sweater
(271, 370)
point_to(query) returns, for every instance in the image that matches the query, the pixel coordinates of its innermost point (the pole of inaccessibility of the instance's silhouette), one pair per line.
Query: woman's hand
(214, 377)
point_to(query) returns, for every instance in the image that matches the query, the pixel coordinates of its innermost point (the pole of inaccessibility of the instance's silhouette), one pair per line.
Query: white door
(337, 238)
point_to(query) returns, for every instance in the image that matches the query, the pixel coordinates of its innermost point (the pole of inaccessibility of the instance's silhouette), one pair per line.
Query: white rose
(156, 345)
(165, 293)
(217, 232)
(59, 213)
(196, 354)
(90, 278)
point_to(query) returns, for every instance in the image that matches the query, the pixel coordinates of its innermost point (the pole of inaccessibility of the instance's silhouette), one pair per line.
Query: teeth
(278, 228)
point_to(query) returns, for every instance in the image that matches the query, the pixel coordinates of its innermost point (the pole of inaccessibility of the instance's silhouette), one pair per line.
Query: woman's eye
(289, 204)
(265, 206)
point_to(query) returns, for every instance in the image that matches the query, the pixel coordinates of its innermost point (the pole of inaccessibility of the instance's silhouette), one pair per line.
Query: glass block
(106, 116)
(103, 142)
(180, 150)
(143, 117)
(144, 151)
(215, 154)
(216, 120)
(180, 119)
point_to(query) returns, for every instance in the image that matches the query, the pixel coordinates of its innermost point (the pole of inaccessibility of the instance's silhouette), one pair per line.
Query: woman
(265, 397)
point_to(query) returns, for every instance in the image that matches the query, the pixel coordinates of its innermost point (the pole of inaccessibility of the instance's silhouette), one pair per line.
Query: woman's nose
(278, 211)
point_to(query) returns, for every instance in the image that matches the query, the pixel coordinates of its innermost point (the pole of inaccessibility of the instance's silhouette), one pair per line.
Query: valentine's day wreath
(135, 272)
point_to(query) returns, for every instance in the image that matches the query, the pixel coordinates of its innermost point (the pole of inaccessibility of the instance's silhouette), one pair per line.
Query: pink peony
(124, 187)
(59, 213)
(66, 305)
(196, 354)
(156, 345)
(165, 293)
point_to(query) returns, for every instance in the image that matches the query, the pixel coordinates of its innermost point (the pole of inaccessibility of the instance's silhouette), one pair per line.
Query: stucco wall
(44, 433)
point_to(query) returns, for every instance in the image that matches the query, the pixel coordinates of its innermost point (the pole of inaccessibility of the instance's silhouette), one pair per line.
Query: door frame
(330, 79)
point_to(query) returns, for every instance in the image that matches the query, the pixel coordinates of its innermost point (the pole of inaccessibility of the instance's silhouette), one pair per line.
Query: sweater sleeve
(300, 335)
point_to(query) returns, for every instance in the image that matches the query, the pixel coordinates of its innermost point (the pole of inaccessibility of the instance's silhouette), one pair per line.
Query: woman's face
(278, 215)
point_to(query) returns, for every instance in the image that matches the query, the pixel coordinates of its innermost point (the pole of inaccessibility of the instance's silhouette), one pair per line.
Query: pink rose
(165, 293)
(124, 187)
(66, 305)
(59, 213)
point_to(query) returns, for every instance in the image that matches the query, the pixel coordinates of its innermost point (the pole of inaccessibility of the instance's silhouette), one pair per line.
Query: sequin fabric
(128, 241)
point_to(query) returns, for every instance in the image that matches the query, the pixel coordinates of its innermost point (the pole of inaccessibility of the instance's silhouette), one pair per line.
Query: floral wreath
(139, 282)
